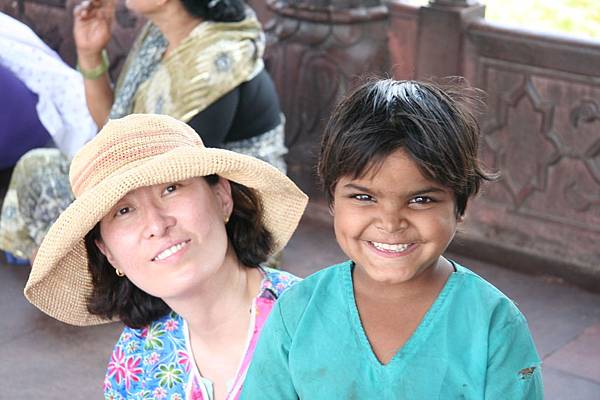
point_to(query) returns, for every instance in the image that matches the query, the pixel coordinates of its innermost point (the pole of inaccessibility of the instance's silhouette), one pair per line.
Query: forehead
(394, 165)
(396, 172)
(158, 187)
(141, 190)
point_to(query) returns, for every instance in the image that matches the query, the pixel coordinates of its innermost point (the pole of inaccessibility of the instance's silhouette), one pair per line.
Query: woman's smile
(171, 250)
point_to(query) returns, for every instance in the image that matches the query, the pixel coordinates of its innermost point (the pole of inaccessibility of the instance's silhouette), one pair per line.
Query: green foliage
(574, 17)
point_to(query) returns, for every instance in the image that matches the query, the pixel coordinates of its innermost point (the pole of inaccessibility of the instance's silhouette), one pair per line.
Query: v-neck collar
(233, 385)
(419, 335)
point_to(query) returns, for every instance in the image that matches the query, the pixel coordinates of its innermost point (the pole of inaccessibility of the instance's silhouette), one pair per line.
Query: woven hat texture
(128, 153)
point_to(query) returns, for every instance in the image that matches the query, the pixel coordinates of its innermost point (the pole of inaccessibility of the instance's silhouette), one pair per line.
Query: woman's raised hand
(92, 26)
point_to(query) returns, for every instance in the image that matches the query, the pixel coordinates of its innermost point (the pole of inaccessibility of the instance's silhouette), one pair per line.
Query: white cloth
(61, 104)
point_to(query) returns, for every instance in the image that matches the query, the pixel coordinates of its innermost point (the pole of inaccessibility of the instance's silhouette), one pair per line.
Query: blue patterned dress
(156, 362)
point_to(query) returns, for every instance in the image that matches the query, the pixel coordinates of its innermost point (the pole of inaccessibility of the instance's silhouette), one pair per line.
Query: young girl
(398, 321)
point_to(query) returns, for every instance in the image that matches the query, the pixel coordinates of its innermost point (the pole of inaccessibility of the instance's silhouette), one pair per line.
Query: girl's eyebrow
(425, 190)
(356, 187)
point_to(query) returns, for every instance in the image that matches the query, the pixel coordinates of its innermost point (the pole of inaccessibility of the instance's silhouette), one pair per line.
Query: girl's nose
(392, 220)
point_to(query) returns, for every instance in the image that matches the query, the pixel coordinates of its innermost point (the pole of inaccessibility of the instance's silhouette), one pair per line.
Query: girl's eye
(421, 200)
(362, 197)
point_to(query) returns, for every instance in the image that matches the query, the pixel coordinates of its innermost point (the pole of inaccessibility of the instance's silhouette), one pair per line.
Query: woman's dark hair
(117, 296)
(216, 10)
(431, 123)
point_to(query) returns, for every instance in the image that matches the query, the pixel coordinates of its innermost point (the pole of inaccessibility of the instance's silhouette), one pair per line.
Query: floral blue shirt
(155, 362)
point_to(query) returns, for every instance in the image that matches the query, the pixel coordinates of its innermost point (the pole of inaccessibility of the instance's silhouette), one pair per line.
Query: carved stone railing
(541, 134)
(540, 131)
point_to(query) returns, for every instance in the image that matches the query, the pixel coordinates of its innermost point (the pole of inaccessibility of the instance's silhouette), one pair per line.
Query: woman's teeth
(170, 251)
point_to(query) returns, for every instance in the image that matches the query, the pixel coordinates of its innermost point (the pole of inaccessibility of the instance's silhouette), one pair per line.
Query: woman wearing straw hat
(200, 61)
(167, 236)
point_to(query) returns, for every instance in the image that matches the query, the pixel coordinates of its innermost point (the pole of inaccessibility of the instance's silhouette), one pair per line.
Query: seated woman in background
(168, 236)
(20, 127)
(198, 61)
(43, 105)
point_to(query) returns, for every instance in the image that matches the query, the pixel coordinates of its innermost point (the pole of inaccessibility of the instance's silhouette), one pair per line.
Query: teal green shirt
(473, 343)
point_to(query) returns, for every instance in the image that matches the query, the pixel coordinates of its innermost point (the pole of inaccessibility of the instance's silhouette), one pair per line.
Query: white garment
(61, 105)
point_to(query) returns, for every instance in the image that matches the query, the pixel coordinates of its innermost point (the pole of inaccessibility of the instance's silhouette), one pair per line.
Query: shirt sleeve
(269, 375)
(514, 367)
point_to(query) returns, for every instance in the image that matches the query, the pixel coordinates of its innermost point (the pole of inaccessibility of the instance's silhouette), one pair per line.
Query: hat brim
(60, 282)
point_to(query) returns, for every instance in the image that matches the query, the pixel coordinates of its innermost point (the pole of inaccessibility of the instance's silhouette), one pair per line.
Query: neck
(174, 22)
(223, 299)
(431, 280)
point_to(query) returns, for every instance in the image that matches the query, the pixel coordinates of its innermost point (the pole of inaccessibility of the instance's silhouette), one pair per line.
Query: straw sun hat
(135, 151)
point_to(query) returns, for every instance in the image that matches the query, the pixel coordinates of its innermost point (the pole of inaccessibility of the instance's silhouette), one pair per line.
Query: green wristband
(97, 72)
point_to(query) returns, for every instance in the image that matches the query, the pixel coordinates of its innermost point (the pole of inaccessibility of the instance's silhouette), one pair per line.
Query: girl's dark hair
(216, 10)
(431, 123)
(117, 296)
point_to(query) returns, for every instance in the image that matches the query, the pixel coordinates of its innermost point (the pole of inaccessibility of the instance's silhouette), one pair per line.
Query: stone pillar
(317, 50)
(440, 41)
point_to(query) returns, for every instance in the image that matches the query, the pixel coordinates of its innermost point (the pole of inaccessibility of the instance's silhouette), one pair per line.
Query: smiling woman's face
(170, 238)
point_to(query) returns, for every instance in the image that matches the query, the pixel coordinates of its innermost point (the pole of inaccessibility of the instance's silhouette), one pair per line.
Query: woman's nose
(158, 222)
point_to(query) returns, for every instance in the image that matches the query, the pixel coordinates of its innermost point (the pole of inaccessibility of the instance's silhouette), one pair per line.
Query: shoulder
(324, 284)
(278, 281)
(321, 280)
(486, 298)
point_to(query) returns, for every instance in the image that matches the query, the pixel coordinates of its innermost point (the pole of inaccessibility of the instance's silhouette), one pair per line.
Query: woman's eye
(171, 188)
(122, 211)
(362, 197)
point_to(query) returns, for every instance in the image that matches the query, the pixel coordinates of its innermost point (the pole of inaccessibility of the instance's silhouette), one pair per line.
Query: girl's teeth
(390, 247)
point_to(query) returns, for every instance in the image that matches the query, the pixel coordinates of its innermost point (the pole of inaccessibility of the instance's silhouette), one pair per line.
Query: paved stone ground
(45, 359)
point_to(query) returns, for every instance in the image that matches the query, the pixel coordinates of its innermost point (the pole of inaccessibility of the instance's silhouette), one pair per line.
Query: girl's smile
(393, 250)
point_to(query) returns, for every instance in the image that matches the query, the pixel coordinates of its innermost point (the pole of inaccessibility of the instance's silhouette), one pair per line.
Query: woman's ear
(101, 246)
(222, 191)
(104, 250)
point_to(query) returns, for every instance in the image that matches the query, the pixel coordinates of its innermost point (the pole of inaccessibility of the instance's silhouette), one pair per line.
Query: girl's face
(169, 239)
(394, 223)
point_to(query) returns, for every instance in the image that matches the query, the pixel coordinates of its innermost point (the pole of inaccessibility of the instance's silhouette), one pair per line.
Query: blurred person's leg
(38, 192)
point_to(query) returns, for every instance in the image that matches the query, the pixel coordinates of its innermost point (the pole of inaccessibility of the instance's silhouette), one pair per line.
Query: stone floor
(45, 359)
